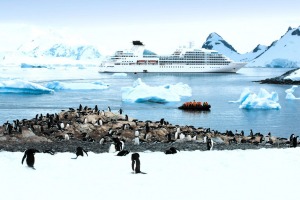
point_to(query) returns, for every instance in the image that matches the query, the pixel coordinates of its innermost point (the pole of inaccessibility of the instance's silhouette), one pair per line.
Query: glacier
(262, 101)
(22, 86)
(289, 93)
(58, 85)
(140, 92)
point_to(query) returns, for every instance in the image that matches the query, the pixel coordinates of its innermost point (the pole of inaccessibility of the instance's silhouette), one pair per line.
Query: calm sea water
(217, 89)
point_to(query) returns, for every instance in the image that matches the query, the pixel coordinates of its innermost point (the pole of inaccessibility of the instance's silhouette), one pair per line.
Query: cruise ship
(183, 60)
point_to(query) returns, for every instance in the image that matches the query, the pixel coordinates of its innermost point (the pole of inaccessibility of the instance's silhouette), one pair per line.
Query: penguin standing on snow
(136, 164)
(79, 152)
(210, 144)
(29, 155)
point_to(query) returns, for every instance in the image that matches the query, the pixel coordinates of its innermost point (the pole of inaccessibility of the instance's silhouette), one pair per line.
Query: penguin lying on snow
(79, 152)
(123, 153)
(136, 164)
(29, 155)
(172, 150)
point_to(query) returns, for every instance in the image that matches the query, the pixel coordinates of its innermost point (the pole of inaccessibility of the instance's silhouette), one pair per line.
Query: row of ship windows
(183, 67)
(194, 59)
(206, 63)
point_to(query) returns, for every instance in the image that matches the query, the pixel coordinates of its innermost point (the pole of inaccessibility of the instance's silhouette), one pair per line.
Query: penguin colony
(93, 125)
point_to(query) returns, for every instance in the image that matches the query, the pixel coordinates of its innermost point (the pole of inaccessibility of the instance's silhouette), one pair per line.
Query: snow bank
(289, 93)
(22, 86)
(58, 85)
(141, 92)
(263, 100)
(295, 76)
(195, 175)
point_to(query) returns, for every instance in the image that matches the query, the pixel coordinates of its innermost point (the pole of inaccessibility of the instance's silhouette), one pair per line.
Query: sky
(161, 25)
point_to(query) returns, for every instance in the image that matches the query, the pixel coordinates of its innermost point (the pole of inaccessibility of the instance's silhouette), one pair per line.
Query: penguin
(135, 163)
(50, 151)
(120, 111)
(79, 152)
(172, 150)
(210, 144)
(67, 137)
(29, 155)
(119, 145)
(112, 148)
(295, 141)
(108, 109)
(136, 139)
(123, 153)
(291, 139)
(102, 140)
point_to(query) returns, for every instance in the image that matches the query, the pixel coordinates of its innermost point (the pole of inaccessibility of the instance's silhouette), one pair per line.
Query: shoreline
(96, 130)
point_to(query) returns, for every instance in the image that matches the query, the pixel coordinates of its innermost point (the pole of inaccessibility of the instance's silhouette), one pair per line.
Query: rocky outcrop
(281, 79)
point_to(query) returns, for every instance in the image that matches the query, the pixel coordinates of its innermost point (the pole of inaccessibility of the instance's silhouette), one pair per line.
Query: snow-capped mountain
(57, 47)
(216, 42)
(257, 51)
(281, 53)
(53, 49)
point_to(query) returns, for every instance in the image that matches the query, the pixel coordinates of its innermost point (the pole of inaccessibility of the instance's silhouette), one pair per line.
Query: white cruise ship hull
(111, 68)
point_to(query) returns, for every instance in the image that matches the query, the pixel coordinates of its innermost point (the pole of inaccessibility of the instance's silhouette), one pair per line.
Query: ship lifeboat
(195, 106)
(141, 61)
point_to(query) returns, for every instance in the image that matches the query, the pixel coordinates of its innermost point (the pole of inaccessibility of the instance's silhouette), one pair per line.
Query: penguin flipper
(23, 158)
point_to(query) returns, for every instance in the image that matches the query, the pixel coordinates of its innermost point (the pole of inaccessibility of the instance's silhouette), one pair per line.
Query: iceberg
(140, 92)
(289, 93)
(24, 65)
(58, 85)
(263, 100)
(22, 86)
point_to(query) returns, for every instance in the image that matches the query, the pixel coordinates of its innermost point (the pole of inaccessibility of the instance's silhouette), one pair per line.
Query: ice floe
(263, 100)
(141, 92)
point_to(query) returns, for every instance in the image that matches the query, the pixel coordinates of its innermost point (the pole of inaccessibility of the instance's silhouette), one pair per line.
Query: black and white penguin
(291, 139)
(79, 152)
(112, 148)
(210, 144)
(136, 138)
(120, 111)
(29, 155)
(295, 141)
(119, 145)
(123, 153)
(135, 163)
(172, 150)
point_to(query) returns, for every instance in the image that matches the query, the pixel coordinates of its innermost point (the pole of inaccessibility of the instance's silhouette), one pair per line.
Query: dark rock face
(209, 44)
(281, 79)
(256, 49)
(296, 32)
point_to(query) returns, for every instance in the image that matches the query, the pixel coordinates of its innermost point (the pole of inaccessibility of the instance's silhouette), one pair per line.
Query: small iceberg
(58, 85)
(22, 86)
(140, 92)
(290, 93)
(24, 65)
(263, 100)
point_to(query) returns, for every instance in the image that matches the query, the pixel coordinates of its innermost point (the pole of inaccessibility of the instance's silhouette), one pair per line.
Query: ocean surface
(79, 85)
